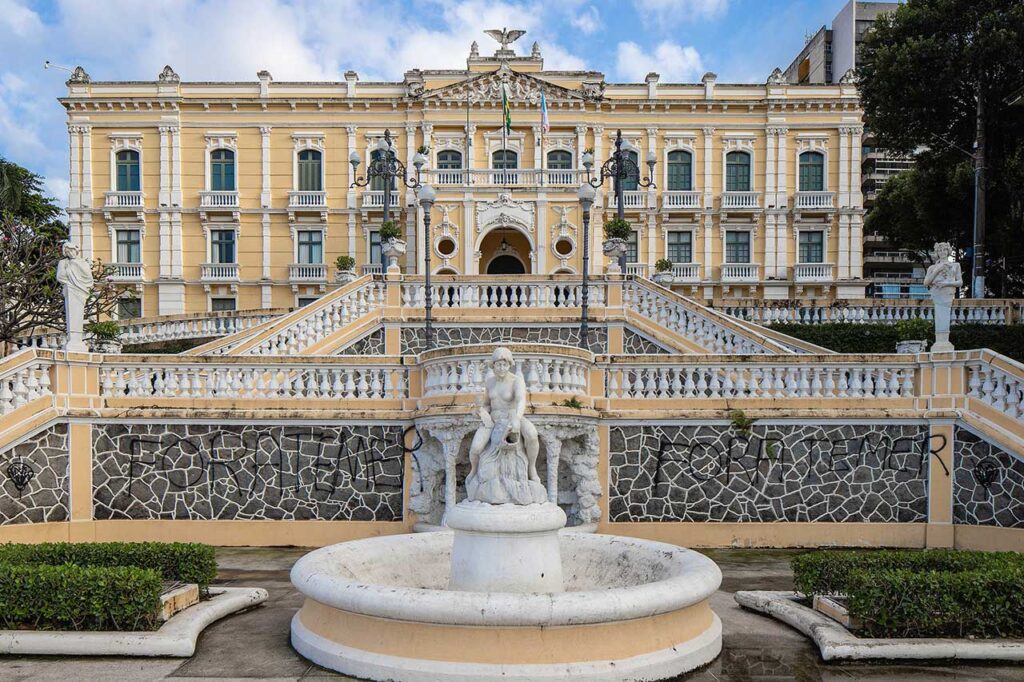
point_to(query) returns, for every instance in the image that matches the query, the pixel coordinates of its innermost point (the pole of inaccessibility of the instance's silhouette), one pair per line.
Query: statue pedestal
(506, 547)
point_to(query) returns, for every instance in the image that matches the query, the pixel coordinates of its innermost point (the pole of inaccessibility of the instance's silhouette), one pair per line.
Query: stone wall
(210, 471)
(988, 483)
(777, 472)
(465, 335)
(371, 344)
(34, 478)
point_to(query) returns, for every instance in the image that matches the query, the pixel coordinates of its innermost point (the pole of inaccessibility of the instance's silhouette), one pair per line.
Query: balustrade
(746, 201)
(543, 294)
(630, 200)
(307, 272)
(24, 381)
(126, 272)
(686, 272)
(680, 200)
(812, 272)
(541, 373)
(218, 199)
(375, 199)
(880, 312)
(740, 272)
(814, 200)
(215, 272)
(997, 387)
(307, 199)
(123, 199)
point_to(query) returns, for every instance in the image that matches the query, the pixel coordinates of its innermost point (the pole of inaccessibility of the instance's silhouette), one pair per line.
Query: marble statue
(75, 273)
(503, 454)
(943, 279)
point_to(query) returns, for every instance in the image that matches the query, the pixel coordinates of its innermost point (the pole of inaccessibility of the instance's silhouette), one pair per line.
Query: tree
(935, 74)
(21, 195)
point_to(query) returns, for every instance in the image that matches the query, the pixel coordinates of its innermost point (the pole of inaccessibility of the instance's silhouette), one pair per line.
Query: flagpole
(506, 108)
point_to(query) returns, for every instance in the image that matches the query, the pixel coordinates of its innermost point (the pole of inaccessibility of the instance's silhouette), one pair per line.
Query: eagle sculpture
(505, 36)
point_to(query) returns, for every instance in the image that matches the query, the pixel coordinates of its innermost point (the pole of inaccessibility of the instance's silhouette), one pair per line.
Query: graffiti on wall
(206, 471)
(34, 478)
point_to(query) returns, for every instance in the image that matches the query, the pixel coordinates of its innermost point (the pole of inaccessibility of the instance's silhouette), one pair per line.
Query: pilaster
(708, 188)
(468, 233)
(939, 531)
(844, 166)
(769, 243)
(74, 167)
(543, 244)
(265, 258)
(844, 246)
(165, 167)
(265, 192)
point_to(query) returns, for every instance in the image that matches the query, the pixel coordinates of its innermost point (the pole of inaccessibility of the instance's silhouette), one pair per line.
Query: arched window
(632, 183)
(560, 160)
(504, 159)
(222, 170)
(812, 172)
(128, 171)
(449, 159)
(737, 172)
(377, 182)
(680, 171)
(310, 171)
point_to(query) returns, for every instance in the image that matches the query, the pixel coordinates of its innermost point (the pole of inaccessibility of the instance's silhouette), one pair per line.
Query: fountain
(506, 595)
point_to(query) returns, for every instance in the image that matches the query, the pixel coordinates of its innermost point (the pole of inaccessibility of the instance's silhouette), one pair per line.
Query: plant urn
(911, 346)
(664, 278)
(105, 346)
(614, 249)
(393, 249)
(344, 276)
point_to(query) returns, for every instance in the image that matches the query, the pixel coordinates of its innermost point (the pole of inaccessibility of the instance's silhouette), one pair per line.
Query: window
(377, 182)
(812, 172)
(737, 172)
(129, 246)
(376, 256)
(128, 308)
(680, 171)
(560, 160)
(303, 301)
(222, 246)
(449, 159)
(505, 158)
(632, 183)
(632, 248)
(680, 247)
(310, 175)
(311, 246)
(222, 304)
(812, 246)
(222, 170)
(737, 246)
(128, 171)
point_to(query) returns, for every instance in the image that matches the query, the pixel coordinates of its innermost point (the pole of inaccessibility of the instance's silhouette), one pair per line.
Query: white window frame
(739, 142)
(824, 228)
(693, 242)
(301, 141)
(680, 143)
(312, 227)
(112, 229)
(220, 139)
(125, 141)
(208, 236)
(812, 143)
(142, 306)
(730, 227)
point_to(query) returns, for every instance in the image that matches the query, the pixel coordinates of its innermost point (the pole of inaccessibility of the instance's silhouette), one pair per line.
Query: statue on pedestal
(503, 454)
(943, 279)
(75, 273)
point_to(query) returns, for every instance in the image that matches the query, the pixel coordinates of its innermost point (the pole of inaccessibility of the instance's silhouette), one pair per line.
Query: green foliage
(344, 263)
(388, 230)
(845, 337)
(22, 198)
(572, 402)
(73, 597)
(741, 422)
(107, 330)
(183, 561)
(617, 228)
(931, 593)
(663, 265)
(423, 149)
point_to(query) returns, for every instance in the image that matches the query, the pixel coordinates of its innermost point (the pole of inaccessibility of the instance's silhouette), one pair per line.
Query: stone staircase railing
(964, 311)
(25, 378)
(545, 370)
(497, 292)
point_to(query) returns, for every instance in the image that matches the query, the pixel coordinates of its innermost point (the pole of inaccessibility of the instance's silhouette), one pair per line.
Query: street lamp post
(387, 167)
(427, 196)
(620, 167)
(586, 196)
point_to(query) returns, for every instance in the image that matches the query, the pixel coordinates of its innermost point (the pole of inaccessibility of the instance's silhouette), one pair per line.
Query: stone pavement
(254, 645)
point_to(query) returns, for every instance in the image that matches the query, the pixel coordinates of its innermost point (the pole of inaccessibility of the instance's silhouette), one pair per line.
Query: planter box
(177, 597)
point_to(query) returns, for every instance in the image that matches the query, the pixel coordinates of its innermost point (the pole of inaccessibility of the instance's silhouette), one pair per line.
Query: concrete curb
(836, 643)
(177, 637)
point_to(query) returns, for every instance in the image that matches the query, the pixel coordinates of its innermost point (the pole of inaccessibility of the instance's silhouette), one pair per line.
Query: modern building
(827, 57)
(214, 196)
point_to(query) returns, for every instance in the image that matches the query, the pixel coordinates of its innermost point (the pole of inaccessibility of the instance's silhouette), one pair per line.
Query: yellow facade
(530, 214)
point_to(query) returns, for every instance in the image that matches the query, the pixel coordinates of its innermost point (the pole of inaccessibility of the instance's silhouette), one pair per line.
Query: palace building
(237, 195)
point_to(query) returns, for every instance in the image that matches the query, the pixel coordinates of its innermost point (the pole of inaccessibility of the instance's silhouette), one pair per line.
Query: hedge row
(71, 597)
(882, 338)
(182, 561)
(931, 593)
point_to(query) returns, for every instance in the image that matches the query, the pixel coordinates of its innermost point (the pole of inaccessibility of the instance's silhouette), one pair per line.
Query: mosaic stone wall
(634, 343)
(988, 483)
(209, 471)
(371, 344)
(34, 478)
(783, 472)
(465, 335)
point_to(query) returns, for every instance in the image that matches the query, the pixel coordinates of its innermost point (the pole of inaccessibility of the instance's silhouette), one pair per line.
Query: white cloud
(672, 61)
(669, 12)
(18, 19)
(587, 21)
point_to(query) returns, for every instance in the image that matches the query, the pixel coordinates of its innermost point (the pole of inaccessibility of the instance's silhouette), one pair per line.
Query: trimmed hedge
(183, 561)
(845, 337)
(931, 593)
(74, 597)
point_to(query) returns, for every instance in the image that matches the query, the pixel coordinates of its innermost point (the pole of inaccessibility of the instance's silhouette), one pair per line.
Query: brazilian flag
(506, 113)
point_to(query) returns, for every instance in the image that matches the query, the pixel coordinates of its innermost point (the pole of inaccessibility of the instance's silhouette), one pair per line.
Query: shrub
(186, 562)
(389, 230)
(72, 597)
(107, 330)
(663, 265)
(423, 149)
(617, 228)
(344, 263)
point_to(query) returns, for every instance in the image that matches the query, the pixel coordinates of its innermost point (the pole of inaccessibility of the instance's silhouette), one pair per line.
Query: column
(770, 200)
(769, 245)
(844, 167)
(597, 259)
(538, 152)
(265, 197)
(581, 144)
(782, 197)
(74, 190)
(165, 166)
(844, 246)
(86, 200)
(265, 227)
(541, 258)
(176, 167)
(350, 200)
(470, 162)
(708, 188)
(652, 197)
(468, 232)
(709, 201)
(857, 203)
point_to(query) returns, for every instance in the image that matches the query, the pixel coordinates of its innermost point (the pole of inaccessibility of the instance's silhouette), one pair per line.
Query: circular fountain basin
(631, 610)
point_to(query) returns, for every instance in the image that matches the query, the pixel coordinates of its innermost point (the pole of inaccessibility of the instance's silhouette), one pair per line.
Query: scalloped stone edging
(836, 643)
(175, 638)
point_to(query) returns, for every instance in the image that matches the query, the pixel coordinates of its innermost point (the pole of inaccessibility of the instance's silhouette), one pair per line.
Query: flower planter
(614, 249)
(663, 278)
(344, 276)
(393, 249)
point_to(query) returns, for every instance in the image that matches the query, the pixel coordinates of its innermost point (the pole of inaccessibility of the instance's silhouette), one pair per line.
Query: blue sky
(740, 40)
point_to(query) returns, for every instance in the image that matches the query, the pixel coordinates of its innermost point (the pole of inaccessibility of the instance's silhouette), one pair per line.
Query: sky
(740, 40)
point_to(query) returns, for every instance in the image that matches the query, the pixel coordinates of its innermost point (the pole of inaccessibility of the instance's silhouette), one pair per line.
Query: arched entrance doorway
(505, 251)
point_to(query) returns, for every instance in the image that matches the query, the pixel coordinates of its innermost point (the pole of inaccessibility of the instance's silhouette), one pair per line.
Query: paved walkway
(254, 645)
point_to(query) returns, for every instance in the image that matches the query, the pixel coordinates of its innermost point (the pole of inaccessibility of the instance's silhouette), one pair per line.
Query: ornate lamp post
(620, 167)
(586, 196)
(387, 167)
(427, 196)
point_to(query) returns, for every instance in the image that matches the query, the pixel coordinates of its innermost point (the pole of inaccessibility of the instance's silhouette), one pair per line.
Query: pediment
(521, 88)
